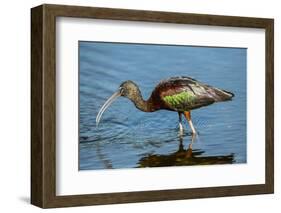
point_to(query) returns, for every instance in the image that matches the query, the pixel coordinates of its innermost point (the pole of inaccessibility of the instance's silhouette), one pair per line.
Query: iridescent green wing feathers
(184, 93)
(181, 100)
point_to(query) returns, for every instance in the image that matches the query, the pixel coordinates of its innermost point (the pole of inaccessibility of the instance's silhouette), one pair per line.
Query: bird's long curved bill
(106, 105)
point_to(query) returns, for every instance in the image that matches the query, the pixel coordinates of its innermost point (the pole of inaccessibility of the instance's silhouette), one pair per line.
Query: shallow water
(127, 137)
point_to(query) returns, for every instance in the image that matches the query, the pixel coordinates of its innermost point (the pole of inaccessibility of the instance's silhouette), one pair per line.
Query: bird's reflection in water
(184, 157)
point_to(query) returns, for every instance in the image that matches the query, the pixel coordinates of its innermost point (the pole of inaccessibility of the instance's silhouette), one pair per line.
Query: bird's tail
(222, 95)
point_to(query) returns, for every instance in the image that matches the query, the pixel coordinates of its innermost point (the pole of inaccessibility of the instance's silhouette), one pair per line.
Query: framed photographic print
(136, 106)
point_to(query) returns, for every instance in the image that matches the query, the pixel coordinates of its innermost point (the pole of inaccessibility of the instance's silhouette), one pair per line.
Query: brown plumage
(180, 94)
(203, 94)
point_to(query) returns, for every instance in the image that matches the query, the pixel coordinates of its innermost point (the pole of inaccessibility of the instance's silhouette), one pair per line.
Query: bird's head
(127, 89)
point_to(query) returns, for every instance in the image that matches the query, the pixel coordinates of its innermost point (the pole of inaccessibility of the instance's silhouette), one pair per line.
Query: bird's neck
(141, 104)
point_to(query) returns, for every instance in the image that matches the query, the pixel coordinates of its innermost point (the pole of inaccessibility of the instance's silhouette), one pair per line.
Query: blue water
(128, 138)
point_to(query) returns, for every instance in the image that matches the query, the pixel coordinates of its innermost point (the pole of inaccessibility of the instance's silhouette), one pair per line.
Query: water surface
(128, 138)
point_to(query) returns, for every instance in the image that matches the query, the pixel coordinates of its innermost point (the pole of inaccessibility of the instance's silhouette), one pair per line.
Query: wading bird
(179, 94)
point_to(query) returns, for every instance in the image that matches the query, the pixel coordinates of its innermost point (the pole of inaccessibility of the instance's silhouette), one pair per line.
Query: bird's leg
(192, 141)
(188, 118)
(180, 124)
(181, 147)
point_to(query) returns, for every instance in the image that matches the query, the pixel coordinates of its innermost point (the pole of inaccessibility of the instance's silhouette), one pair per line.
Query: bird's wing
(186, 98)
(184, 93)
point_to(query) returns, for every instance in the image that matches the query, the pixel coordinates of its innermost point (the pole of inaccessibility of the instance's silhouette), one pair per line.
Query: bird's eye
(121, 91)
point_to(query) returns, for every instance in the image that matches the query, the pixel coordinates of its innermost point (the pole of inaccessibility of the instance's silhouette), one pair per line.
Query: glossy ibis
(179, 94)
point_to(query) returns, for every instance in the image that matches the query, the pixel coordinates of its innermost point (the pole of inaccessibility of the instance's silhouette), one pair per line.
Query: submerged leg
(180, 124)
(188, 118)
(192, 141)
